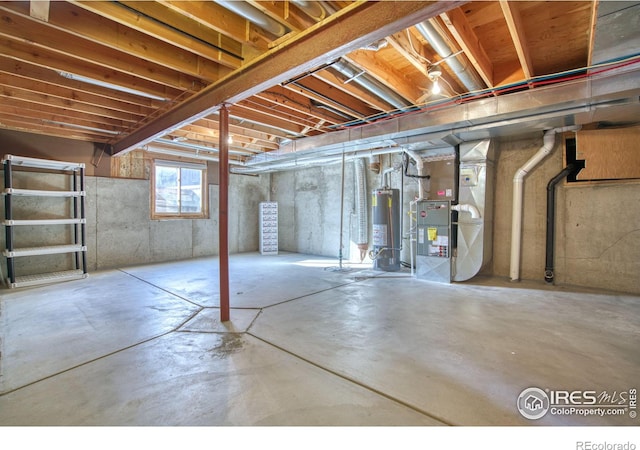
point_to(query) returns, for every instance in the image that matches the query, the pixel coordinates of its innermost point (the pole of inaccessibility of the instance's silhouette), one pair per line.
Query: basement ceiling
(153, 74)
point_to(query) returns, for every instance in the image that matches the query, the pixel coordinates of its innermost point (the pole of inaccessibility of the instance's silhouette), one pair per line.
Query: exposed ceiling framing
(125, 74)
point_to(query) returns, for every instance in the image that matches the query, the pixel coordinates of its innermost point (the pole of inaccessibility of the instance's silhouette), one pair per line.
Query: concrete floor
(307, 345)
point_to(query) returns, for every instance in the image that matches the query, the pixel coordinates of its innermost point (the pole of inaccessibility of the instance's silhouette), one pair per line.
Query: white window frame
(204, 189)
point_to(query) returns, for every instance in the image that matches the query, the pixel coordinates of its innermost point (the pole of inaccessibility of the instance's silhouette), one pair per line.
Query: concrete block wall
(119, 229)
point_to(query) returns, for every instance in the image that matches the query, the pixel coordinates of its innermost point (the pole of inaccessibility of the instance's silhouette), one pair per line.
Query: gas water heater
(386, 229)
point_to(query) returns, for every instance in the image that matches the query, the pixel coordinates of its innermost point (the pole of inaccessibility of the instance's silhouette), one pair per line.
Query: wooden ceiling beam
(41, 57)
(351, 96)
(39, 127)
(44, 99)
(278, 110)
(201, 39)
(43, 75)
(206, 124)
(279, 11)
(36, 33)
(457, 24)
(211, 132)
(63, 113)
(378, 68)
(64, 93)
(358, 24)
(17, 107)
(282, 97)
(412, 48)
(39, 114)
(256, 114)
(249, 128)
(75, 21)
(516, 30)
(121, 13)
(319, 88)
(221, 20)
(592, 30)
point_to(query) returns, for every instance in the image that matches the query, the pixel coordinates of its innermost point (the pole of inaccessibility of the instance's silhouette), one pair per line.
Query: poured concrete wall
(597, 231)
(119, 229)
(601, 242)
(309, 209)
(514, 153)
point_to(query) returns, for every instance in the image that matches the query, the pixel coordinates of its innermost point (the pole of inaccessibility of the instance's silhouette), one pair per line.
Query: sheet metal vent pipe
(370, 84)
(254, 15)
(468, 78)
(571, 169)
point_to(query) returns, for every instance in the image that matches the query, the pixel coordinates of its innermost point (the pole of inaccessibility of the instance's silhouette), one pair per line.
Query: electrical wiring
(565, 76)
(413, 49)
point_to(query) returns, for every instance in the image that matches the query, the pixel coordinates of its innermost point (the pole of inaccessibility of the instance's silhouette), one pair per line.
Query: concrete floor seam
(161, 288)
(354, 381)
(177, 328)
(77, 366)
(313, 293)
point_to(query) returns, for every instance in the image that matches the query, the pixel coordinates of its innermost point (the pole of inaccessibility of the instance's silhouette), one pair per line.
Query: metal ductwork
(315, 10)
(475, 205)
(362, 234)
(293, 161)
(254, 16)
(372, 85)
(468, 78)
(581, 101)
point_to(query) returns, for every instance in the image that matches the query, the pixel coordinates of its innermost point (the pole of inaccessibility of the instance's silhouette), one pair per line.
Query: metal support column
(223, 216)
(8, 215)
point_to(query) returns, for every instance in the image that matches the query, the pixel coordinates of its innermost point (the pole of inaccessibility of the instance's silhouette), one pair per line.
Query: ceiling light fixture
(434, 76)
(93, 81)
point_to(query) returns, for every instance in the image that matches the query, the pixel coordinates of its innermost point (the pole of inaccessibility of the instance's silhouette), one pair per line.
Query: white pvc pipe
(548, 140)
(475, 214)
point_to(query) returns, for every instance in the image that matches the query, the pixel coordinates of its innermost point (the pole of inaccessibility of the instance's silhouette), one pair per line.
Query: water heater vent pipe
(549, 140)
(420, 167)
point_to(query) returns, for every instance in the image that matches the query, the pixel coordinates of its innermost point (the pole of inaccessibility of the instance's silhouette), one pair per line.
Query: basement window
(179, 190)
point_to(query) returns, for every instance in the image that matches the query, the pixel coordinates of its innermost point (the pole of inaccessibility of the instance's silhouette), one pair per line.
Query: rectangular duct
(475, 198)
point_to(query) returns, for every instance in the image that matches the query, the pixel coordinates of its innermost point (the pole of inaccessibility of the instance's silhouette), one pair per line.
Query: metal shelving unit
(78, 220)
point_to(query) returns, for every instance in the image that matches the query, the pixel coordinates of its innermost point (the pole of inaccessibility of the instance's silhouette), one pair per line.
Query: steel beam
(353, 27)
(223, 213)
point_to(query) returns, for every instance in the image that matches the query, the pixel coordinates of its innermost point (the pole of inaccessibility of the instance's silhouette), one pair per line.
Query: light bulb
(436, 87)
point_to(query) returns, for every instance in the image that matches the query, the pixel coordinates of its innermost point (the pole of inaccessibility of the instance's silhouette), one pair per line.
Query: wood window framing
(179, 201)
